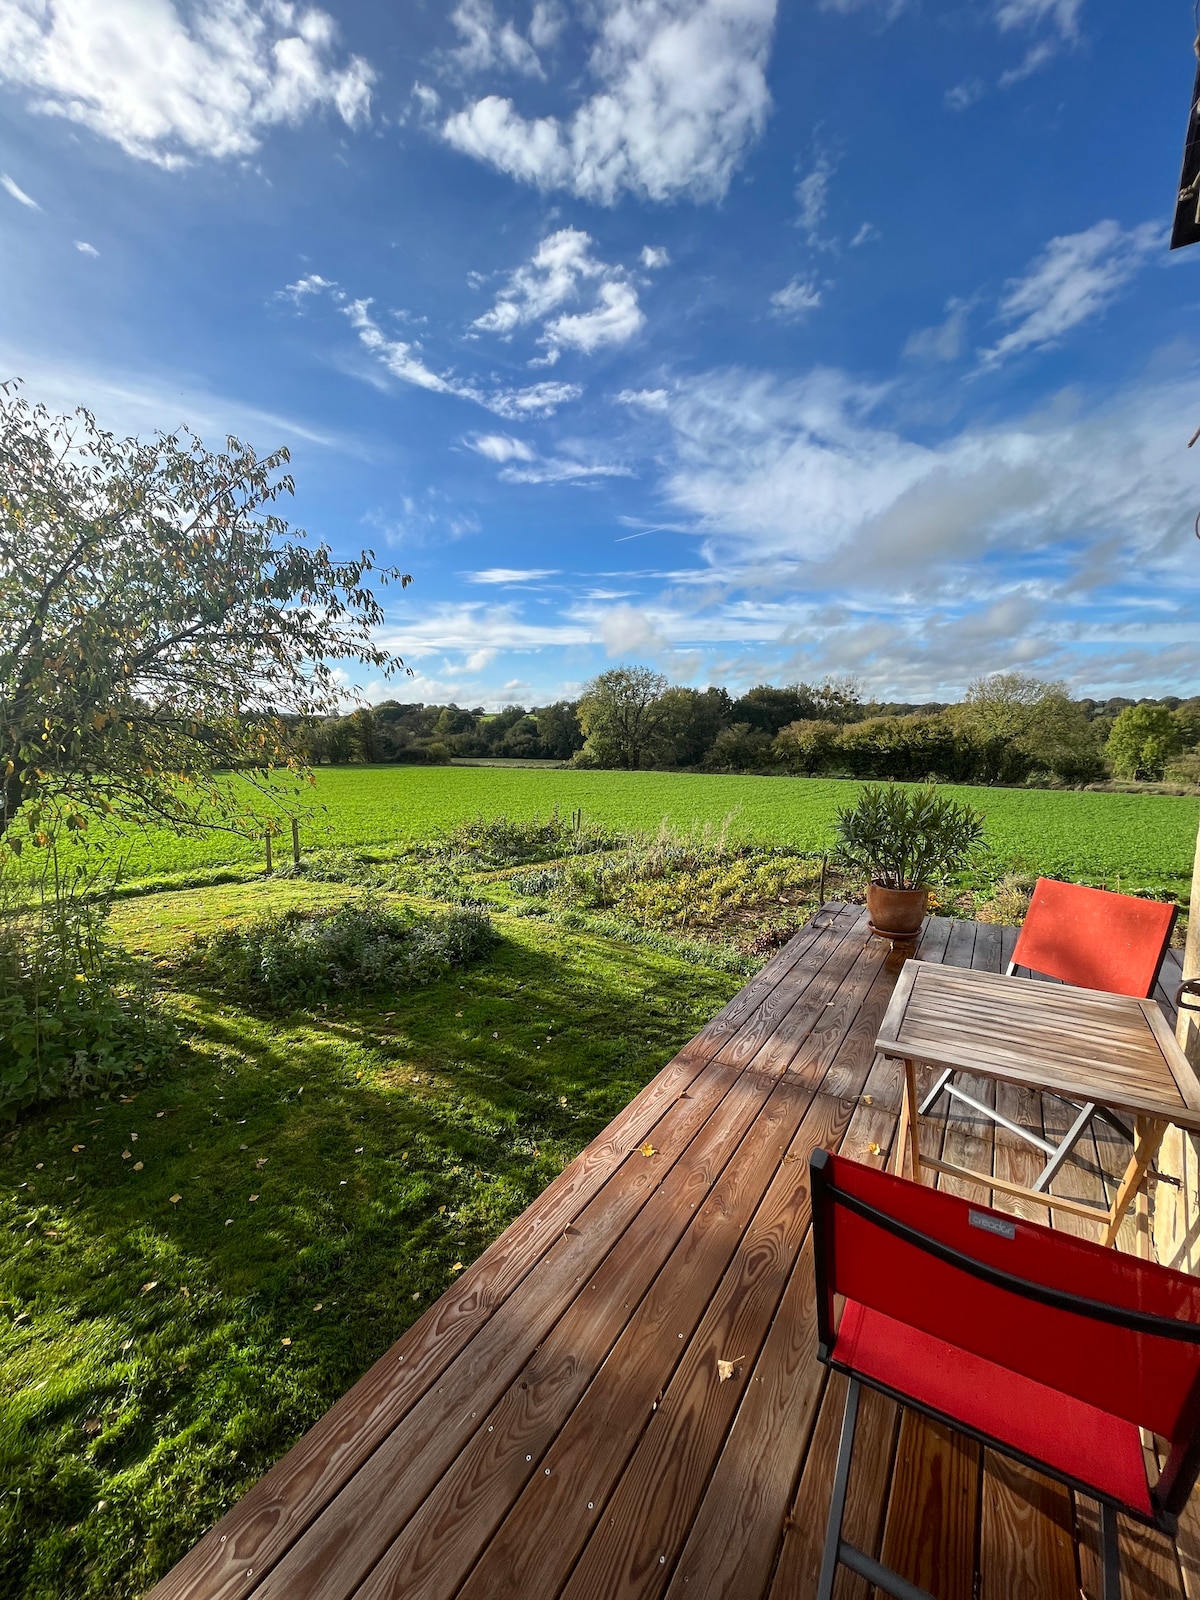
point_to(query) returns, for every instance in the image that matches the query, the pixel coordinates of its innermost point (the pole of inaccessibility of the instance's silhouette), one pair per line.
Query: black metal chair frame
(1169, 1494)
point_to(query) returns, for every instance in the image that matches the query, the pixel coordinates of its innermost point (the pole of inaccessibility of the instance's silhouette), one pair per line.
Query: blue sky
(753, 342)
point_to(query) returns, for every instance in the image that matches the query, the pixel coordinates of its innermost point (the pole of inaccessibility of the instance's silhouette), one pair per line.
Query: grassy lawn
(1144, 840)
(198, 1268)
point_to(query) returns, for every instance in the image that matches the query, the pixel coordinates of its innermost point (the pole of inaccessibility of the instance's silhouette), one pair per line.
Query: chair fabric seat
(1071, 1437)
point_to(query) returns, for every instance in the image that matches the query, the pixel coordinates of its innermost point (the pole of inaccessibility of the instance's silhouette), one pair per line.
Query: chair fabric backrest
(1148, 1379)
(1093, 938)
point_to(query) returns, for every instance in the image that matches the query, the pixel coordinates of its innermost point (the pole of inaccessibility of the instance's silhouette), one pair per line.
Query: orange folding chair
(1050, 1348)
(1093, 939)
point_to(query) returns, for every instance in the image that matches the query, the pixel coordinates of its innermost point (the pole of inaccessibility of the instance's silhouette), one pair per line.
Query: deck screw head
(662, 1561)
(547, 1471)
(529, 1458)
(590, 1506)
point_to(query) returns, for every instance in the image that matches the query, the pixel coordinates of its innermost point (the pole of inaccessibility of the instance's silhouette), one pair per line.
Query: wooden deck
(557, 1423)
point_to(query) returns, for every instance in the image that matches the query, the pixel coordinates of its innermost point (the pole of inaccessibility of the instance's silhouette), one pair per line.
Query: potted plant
(900, 838)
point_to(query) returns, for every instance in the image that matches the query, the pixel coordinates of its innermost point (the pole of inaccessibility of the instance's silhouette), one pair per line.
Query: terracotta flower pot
(896, 913)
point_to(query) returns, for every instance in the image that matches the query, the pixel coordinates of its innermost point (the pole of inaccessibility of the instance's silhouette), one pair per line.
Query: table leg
(1148, 1135)
(910, 1102)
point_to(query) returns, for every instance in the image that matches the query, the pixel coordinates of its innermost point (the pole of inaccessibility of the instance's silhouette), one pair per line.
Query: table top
(1079, 1043)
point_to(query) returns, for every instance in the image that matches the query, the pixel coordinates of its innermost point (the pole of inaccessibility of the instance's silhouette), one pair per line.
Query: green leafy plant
(294, 957)
(902, 837)
(75, 1014)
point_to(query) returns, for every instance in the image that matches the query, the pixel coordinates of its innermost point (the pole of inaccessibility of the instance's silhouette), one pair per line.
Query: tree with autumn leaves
(160, 625)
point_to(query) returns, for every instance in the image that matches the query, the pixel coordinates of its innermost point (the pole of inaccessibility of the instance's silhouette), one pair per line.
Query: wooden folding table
(1082, 1044)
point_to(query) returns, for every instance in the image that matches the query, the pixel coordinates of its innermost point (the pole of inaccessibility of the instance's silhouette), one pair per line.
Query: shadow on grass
(195, 1275)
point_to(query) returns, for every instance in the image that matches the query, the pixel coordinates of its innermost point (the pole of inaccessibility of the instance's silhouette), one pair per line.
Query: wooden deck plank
(740, 1520)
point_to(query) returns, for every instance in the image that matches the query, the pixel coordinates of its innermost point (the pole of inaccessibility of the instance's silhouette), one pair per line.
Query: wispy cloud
(13, 188)
(488, 43)
(945, 340)
(1077, 276)
(499, 447)
(511, 575)
(171, 84)
(812, 197)
(85, 248)
(796, 299)
(681, 95)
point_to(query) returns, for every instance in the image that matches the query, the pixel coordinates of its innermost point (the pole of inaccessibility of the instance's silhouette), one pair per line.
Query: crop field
(1127, 840)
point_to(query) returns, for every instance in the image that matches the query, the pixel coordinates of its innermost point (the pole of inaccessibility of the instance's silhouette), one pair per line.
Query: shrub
(500, 842)
(74, 1010)
(900, 837)
(296, 956)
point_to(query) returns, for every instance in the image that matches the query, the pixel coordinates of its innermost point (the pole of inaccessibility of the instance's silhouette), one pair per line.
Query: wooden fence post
(821, 883)
(267, 837)
(295, 842)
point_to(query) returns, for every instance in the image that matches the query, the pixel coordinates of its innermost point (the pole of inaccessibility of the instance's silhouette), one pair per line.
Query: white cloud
(964, 94)
(1062, 15)
(499, 447)
(561, 265)
(867, 234)
(488, 43)
(403, 359)
(1077, 276)
(563, 470)
(169, 85)
(535, 400)
(17, 192)
(644, 399)
(812, 196)
(796, 299)
(682, 94)
(509, 575)
(615, 319)
(85, 248)
(806, 472)
(654, 257)
(312, 283)
(944, 341)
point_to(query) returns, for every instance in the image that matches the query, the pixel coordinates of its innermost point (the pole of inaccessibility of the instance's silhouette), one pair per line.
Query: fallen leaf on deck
(647, 1149)
(874, 1150)
(726, 1369)
(868, 1099)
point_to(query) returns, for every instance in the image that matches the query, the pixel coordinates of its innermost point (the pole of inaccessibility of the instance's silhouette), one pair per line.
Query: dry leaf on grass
(76, 1148)
(146, 1287)
(175, 1199)
(138, 1166)
(126, 1155)
(285, 1341)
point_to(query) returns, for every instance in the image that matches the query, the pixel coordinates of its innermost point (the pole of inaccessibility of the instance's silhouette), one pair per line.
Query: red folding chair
(1093, 939)
(1047, 1347)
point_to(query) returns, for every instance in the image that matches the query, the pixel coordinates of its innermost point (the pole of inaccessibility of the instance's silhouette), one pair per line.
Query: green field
(1140, 840)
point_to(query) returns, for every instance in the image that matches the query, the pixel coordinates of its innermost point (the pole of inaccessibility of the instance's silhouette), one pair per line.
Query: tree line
(1009, 728)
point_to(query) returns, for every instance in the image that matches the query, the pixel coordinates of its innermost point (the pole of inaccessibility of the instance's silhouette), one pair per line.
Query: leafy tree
(808, 746)
(769, 709)
(559, 733)
(159, 622)
(1143, 739)
(692, 721)
(622, 715)
(837, 699)
(741, 748)
(1186, 716)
